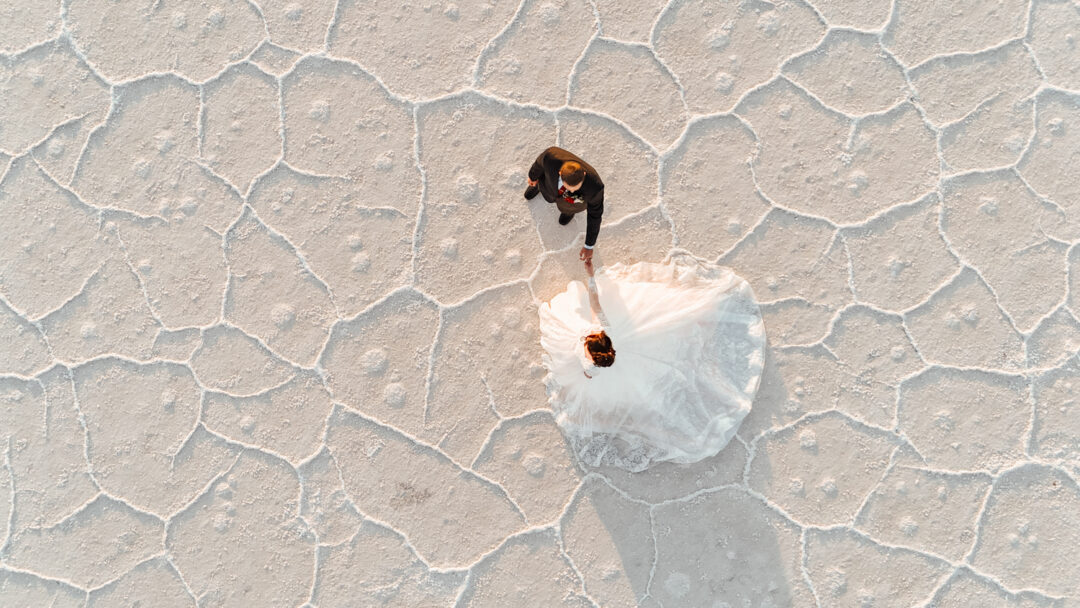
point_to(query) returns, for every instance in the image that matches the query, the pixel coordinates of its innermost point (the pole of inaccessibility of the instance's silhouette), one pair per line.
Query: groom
(574, 186)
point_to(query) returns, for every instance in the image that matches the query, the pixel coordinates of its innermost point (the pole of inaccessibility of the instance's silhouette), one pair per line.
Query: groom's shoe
(564, 218)
(531, 192)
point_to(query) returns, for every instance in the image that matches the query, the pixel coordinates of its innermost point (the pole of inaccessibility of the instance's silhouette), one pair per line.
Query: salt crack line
(804, 564)
(296, 251)
(115, 230)
(491, 403)
(282, 133)
(180, 575)
(367, 310)
(200, 123)
(861, 510)
(970, 113)
(973, 268)
(421, 208)
(655, 27)
(12, 56)
(86, 282)
(851, 268)
(936, 593)
(23, 316)
(573, 567)
(1038, 195)
(503, 422)
(101, 496)
(10, 523)
(262, 18)
(195, 427)
(114, 109)
(207, 487)
(90, 591)
(495, 41)
(327, 56)
(29, 149)
(250, 446)
(940, 57)
(663, 65)
(655, 555)
(100, 210)
(817, 13)
(402, 536)
(5, 166)
(571, 78)
(845, 528)
(335, 17)
(66, 37)
(7, 567)
(435, 450)
(123, 82)
(554, 526)
(228, 325)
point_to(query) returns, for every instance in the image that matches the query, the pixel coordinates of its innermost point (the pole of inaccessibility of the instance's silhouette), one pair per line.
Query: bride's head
(598, 346)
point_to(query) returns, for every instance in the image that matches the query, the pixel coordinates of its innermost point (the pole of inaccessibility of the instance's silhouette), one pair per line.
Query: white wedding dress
(689, 349)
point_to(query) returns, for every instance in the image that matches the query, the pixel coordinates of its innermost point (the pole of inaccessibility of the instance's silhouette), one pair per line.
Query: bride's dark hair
(599, 347)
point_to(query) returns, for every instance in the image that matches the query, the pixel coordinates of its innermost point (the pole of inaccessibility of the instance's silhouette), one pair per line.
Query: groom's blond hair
(571, 173)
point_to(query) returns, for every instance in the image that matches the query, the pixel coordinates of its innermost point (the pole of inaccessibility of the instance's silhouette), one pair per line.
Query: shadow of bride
(683, 535)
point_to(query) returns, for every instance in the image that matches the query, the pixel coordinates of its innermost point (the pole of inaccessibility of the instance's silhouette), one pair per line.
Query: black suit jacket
(545, 171)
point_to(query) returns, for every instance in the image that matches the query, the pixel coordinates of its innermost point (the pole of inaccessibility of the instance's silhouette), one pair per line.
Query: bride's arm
(594, 297)
(594, 303)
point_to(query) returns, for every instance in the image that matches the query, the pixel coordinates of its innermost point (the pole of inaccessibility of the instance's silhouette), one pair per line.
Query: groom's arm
(595, 211)
(537, 168)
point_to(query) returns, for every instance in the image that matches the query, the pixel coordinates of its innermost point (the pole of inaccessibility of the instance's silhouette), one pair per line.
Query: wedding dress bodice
(689, 351)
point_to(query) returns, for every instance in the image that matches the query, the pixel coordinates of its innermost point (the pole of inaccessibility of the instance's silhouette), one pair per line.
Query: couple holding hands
(688, 336)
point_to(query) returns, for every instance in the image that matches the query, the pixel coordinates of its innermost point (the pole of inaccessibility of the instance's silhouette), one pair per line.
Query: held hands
(586, 256)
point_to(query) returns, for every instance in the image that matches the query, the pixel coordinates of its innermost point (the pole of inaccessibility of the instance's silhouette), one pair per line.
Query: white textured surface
(268, 292)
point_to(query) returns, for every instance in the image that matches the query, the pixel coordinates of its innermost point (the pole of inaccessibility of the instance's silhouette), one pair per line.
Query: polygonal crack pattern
(268, 294)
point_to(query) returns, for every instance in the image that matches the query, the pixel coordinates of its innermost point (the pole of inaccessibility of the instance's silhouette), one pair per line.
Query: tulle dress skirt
(689, 350)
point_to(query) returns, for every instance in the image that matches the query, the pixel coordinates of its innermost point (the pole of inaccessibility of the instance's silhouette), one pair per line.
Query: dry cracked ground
(268, 300)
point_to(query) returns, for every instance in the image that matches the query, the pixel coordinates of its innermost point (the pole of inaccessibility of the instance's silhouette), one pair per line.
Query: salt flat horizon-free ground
(268, 300)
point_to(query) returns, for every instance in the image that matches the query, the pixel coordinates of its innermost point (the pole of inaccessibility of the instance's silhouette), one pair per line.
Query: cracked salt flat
(268, 299)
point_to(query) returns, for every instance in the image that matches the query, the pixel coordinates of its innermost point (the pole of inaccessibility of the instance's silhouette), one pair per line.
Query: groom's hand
(586, 254)
(531, 182)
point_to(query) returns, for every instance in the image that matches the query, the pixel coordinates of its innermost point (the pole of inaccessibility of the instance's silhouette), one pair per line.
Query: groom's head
(572, 175)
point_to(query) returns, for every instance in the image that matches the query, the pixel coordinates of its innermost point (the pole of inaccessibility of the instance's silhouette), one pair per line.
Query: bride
(652, 362)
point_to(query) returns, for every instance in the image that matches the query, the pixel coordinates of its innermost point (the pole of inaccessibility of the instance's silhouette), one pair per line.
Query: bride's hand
(589, 267)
